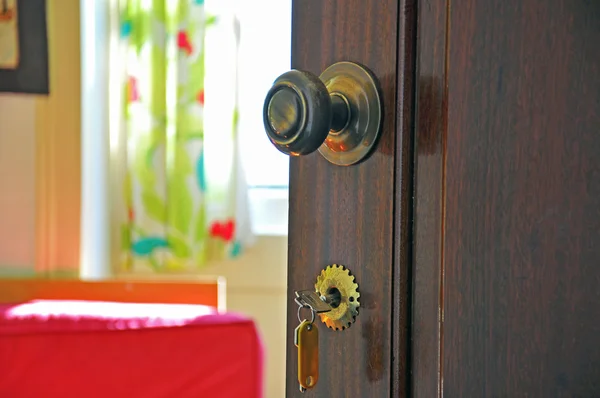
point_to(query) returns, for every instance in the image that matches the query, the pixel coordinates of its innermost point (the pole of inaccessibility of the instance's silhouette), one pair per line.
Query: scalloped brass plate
(339, 279)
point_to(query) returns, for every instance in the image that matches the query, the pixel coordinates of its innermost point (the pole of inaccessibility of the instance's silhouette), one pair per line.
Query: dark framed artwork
(23, 47)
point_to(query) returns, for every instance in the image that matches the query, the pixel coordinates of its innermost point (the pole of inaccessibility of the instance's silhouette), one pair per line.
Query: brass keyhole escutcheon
(338, 288)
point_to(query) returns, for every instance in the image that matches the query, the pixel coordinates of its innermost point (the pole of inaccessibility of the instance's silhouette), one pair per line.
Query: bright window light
(264, 53)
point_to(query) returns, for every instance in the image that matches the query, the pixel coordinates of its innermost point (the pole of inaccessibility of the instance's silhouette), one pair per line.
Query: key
(306, 338)
(311, 299)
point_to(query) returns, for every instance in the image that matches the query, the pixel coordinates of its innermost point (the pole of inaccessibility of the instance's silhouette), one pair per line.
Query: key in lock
(335, 293)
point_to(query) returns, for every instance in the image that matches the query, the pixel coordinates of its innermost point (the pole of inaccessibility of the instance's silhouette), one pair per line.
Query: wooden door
(345, 215)
(506, 271)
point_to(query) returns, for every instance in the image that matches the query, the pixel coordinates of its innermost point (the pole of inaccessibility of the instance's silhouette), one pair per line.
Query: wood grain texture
(430, 136)
(403, 202)
(516, 191)
(344, 215)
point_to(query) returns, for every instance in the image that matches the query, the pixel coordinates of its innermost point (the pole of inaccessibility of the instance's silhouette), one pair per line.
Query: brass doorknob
(339, 113)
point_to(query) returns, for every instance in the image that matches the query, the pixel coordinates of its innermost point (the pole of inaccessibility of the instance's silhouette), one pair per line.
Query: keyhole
(309, 381)
(333, 297)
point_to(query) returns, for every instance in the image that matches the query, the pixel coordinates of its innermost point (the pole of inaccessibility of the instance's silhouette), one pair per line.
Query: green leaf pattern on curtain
(166, 193)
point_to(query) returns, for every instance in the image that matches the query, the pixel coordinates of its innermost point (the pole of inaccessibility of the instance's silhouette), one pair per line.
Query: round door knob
(338, 113)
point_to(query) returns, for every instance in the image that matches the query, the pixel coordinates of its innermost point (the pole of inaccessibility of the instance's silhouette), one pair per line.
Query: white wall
(17, 182)
(40, 161)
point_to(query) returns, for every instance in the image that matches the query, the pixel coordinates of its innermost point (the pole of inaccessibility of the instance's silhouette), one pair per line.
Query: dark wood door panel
(430, 136)
(344, 215)
(403, 202)
(516, 190)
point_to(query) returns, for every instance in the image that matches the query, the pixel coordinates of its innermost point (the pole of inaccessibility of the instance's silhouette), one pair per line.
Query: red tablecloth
(86, 349)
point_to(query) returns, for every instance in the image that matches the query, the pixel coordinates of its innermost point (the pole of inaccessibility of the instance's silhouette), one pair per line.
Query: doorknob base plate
(358, 87)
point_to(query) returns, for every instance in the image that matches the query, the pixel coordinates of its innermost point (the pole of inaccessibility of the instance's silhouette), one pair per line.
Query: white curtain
(179, 193)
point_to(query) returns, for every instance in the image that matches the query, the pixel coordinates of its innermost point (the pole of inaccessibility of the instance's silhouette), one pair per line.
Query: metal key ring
(312, 313)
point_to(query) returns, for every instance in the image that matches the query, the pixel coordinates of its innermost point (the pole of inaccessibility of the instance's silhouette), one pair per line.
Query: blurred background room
(148, 159)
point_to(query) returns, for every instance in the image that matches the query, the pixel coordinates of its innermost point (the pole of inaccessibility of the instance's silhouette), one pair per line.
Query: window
(265, 25)
(264, 54)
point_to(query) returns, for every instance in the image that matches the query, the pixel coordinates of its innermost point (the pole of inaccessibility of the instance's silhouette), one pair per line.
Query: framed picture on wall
(23, 47)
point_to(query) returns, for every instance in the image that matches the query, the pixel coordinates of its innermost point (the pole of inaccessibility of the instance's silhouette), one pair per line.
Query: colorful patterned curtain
(183, 199)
